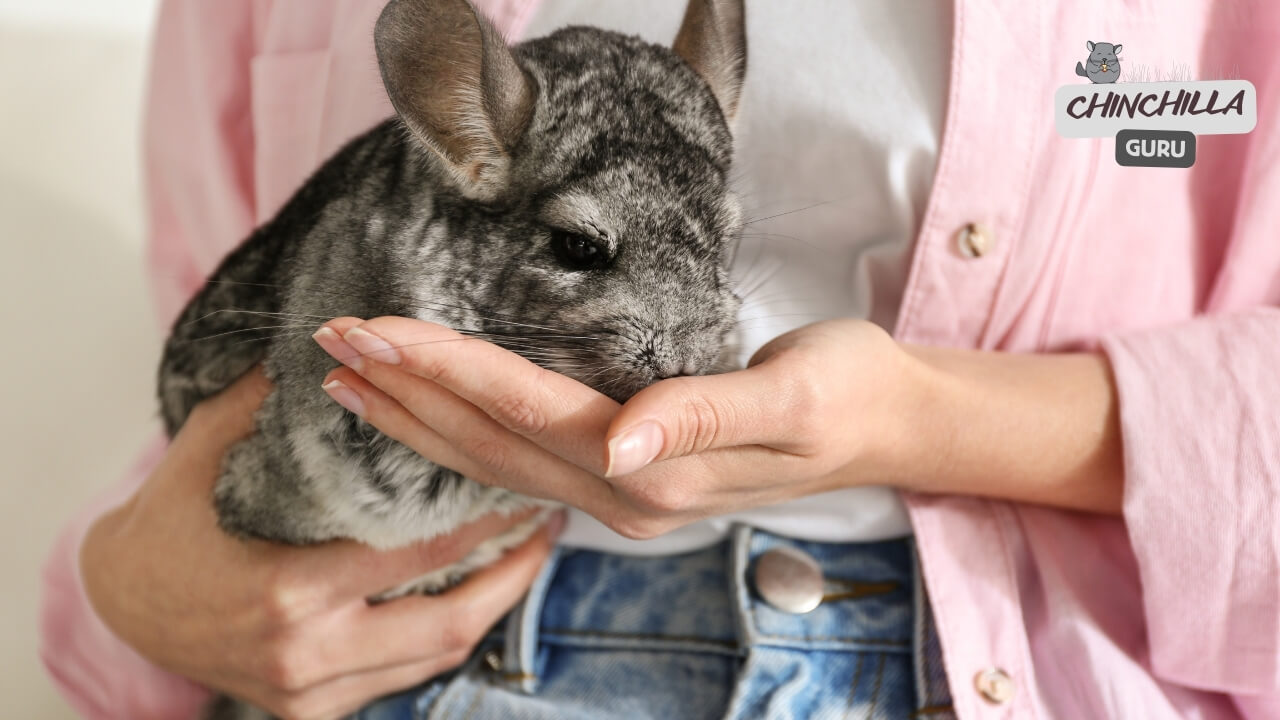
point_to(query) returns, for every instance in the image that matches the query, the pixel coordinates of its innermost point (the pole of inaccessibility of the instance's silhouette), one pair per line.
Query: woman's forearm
(1030, 428)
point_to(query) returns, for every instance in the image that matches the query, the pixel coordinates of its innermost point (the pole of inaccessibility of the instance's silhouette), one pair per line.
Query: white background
(79, 341)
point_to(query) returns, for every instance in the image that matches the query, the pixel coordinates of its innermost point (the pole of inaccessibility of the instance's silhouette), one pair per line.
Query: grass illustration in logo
(1103, 65)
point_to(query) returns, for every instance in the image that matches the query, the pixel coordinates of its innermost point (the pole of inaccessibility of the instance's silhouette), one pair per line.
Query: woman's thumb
(688, 415)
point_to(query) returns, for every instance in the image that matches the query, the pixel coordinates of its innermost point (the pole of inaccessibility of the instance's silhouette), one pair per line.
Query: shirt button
(790, 580)
(974, 240)
(995, 685)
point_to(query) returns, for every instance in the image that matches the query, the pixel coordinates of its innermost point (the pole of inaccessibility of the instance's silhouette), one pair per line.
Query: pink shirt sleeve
(1198, 409)
(1200, 419)
(199, 143)
(199, 154)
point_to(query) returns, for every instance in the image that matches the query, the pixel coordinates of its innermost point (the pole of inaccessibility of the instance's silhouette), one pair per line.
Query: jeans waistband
(706, 601)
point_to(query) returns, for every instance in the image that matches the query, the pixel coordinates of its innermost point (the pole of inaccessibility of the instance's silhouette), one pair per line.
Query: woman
(1090, 470)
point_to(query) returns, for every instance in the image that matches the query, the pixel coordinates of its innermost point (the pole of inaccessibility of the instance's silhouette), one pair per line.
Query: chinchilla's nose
(675, 368)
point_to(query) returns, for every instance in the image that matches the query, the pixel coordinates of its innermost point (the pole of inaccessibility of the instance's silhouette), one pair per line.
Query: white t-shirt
(842, 114)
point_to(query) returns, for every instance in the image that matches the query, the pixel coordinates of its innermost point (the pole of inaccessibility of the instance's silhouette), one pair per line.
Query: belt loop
(520, 654)
(740, 584)
(933, 694)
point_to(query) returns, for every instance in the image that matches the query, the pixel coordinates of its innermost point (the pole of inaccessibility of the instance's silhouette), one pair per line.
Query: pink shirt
(1171, 611)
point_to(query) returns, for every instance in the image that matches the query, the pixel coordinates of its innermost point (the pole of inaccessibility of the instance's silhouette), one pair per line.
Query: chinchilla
(567, 198)
(1104, 63)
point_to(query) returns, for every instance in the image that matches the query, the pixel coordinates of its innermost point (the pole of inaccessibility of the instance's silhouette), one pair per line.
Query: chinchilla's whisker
(251, 329)
(559, 333)
(258, 313)
(411, 301)
(277, 336)
(525, 348)
(762, 235)
(464, 338)
(773, 297)
(761, 264)
(775, 316)
(748, 273)
(752, 221)
(790, 238)
(766, 274)
(516, 345)
(427, 305)
(523, 336)
(528, 350)
(598, 372)
(782, 297)
(746, 291)
(538, 358)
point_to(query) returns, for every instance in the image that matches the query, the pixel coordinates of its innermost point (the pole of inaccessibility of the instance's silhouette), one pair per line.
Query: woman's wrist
(1030, 428)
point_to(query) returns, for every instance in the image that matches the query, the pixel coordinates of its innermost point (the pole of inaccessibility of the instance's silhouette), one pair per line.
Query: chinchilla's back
(230, 325)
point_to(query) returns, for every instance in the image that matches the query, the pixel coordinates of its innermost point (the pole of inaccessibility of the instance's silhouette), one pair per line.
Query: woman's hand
(286, 628)
(774, 432)
(831, 405)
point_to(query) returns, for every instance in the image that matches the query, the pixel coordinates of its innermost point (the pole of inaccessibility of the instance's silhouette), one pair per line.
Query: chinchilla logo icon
(1103, 65)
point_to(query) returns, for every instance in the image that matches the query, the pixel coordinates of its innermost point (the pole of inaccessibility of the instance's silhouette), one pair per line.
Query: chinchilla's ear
(455, 84)
(713, 40)
(1089, 43)
(1116, 50)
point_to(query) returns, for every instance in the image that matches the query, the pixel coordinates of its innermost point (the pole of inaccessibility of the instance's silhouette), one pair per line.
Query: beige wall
(79, 341)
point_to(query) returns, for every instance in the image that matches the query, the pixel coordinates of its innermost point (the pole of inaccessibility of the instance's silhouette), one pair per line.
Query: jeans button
(789, 579)
(493, 660)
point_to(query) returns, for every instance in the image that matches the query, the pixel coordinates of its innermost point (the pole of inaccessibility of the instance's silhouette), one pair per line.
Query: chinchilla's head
(586, 203)
(1104, 54)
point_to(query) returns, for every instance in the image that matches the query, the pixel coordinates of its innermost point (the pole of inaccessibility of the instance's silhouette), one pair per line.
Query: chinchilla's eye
(576, 252)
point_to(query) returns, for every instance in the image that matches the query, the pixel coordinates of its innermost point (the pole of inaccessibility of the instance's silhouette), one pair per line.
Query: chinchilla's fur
(566, 198)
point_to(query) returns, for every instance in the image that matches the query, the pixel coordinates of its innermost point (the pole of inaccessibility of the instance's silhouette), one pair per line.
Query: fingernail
(332, 343)
(372, 346)
(345, 396)
(634, 449)
(555, 524)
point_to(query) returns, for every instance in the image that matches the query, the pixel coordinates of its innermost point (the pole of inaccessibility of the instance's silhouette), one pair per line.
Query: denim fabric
(687, 636)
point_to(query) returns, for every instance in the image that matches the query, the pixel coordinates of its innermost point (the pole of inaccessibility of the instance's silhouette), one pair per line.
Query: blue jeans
(688, 636)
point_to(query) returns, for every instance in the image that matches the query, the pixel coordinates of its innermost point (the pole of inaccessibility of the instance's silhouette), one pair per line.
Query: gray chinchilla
(1104, 63)
(566, 198)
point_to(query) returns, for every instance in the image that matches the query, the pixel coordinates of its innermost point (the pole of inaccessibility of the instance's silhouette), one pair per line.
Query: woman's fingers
(344, 695)
(360, 639)
(642, 504)
(337, 660)
(554, 411)
(411, 628)
(353, 571)
(218, 423)
(459, 436)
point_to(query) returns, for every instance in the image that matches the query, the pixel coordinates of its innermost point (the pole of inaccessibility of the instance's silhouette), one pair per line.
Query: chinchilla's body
(566, 198)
